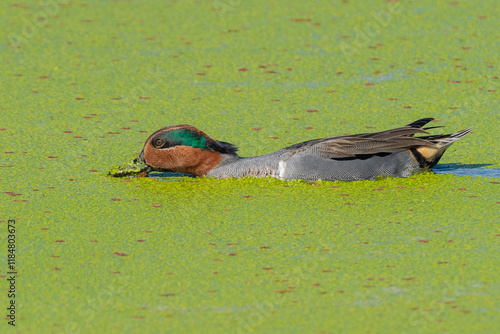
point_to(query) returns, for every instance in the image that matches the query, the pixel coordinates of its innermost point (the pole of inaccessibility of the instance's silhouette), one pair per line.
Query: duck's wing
(366, 144)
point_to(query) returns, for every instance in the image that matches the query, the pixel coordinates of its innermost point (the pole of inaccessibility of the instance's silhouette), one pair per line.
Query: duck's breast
(260, 166)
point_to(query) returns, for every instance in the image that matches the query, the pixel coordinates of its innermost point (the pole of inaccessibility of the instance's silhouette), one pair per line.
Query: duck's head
(183, 149)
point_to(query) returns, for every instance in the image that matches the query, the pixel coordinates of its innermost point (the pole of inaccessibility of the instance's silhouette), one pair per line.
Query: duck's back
(396, 152)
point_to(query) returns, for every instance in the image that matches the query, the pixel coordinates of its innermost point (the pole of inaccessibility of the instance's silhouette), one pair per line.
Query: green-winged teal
(396, 152)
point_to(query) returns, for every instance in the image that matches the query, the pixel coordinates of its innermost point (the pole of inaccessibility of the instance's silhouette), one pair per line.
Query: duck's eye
(159, 142)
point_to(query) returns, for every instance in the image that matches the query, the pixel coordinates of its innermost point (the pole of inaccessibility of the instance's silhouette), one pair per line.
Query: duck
(367, 156)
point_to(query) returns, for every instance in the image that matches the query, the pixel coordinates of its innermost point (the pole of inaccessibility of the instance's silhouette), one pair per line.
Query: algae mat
(85, 82)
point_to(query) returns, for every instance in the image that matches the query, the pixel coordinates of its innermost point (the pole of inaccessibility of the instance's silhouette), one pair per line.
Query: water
(467, 170)
(169, 176)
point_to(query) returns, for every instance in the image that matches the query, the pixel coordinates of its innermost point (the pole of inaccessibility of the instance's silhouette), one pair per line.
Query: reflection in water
(467, 170)
(456, 169)
(167, 176)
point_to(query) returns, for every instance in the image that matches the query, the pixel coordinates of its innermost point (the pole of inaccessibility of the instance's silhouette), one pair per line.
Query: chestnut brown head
(184, 149)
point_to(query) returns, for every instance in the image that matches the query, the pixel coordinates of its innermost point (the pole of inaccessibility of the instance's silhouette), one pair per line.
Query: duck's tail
(428, 156)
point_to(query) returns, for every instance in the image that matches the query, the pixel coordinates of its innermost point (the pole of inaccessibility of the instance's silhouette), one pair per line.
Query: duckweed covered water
(85, 87)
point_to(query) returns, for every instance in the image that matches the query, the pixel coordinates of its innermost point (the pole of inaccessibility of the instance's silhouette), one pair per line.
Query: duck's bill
(136, 168)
